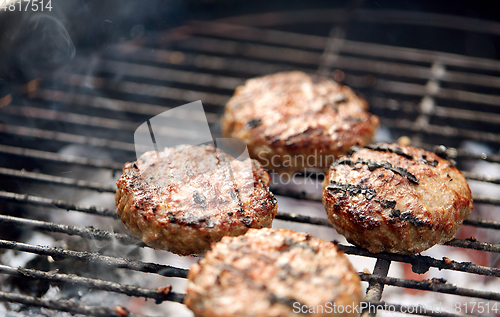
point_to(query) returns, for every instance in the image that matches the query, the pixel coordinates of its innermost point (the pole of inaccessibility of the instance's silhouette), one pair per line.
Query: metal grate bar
(53, 115)
(91, 121)
(435, 285)
(459, 153)
(44, 178)
(131, 87)
(448, 131)
(62, 305)
(444, 112)
(405, 70)
(130, 290)
(363, 64)
(274, 37)
(481, 178)
(314, 58)
(58, 254)
(56, 157)
(251, 50)
(473, 244)
(486, 200)
(422, 263)
(45, 202)
(296, 194)
(87, 232)
(375, 288)
(179, 76)
(90, 101)
(303, 219)
(203, 61)
(489, 224)
(66, 137)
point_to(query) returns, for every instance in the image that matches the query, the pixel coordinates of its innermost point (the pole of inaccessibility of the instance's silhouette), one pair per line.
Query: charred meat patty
(292, 121)
(399, 199)
(272, 272)
(184, 198)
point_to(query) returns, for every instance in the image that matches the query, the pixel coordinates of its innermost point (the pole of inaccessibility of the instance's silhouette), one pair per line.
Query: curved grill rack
(428, 95)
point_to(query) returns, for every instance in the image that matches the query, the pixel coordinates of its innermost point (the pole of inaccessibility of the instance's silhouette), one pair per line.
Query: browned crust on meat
(292, 121)
(178, 204)
(264, 272)
(396, 199)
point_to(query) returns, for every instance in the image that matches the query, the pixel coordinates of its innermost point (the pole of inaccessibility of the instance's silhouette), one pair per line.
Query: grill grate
(411, 90)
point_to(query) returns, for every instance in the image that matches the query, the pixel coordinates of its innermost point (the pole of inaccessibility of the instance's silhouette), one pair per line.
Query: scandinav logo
(184, 127)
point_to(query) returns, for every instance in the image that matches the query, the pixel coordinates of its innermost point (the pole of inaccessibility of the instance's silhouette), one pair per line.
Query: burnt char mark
(384, 164)
(432, 163)
(351, 189)
(171, 217)
(381, 147)
(395, 213)
(254, 123)
(373, 165)
(404, 173)
(287, 301)
(353, 150)
(370, 193)
(408, 216)
(247, 221)
(388, 203)
(344, 162)
(199, 198)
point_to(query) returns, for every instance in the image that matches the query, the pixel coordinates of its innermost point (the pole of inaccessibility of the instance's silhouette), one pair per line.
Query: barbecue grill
(438, 99)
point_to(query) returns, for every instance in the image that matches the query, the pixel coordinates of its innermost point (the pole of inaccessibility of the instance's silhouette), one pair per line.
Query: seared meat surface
(399, 199)
(272, 272)
(184, 198)
(292, 121)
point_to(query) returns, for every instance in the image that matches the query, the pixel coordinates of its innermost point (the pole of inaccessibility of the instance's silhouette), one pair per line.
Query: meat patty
(187, 197)
(292, 121)
(272, 272)
(399, 199)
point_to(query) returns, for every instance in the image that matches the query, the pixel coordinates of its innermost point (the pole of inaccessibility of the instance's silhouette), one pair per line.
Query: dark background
(31, 43)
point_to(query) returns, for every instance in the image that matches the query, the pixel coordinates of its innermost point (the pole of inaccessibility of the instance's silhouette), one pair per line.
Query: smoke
(44, 44)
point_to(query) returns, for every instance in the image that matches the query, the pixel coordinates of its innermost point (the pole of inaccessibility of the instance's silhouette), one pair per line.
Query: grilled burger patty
(292, 121)
(399, 199)
(185, 198)
(272, 272)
